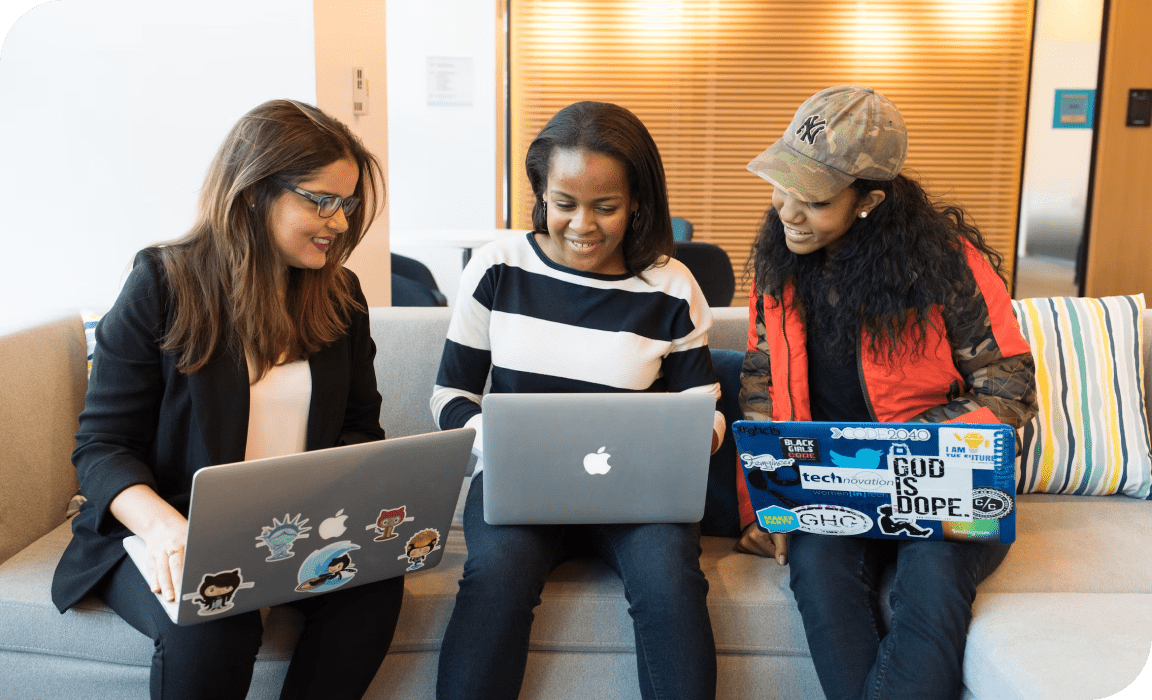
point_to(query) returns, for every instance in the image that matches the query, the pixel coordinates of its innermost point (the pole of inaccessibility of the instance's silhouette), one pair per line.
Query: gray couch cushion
(91, 630)
(1078, 544)
(402, 334)
(1056, 646)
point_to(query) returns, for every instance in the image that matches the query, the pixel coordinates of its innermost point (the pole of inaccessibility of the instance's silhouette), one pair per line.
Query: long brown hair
(224, 272)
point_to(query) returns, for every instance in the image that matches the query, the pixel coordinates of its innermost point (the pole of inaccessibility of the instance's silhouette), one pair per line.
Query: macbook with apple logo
(596, 457)
(274, 530)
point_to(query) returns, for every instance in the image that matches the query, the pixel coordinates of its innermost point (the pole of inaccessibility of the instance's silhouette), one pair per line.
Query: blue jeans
(721, 508)
(485, 647)
(836, 581)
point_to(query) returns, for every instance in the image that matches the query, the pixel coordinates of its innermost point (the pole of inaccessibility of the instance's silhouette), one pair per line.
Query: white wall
(351, 33)
(1055, 186)
(112, 111)
(441, 159)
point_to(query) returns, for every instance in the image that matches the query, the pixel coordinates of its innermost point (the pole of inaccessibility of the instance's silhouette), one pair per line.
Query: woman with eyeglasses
(246, 338)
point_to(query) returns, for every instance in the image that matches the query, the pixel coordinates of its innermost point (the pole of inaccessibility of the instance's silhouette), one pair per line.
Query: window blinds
(717, 81)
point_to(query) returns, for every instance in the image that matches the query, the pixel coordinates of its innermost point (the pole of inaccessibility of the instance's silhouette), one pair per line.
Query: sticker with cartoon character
(420, 546)
(279, 536)
(327, 568)
(890, 524)
(215, 592)
(387, 522)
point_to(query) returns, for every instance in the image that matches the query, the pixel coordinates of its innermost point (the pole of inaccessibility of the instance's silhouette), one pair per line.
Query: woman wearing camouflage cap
(873, 303)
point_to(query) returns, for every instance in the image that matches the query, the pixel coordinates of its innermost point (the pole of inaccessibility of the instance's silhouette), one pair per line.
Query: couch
(1068, 614)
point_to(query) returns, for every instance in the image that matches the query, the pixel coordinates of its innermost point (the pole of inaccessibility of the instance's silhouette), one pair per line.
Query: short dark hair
(609, 129)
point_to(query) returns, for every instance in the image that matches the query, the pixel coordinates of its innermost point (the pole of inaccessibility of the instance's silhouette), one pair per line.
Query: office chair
(711, 267)
(681, 229)
(413, 284)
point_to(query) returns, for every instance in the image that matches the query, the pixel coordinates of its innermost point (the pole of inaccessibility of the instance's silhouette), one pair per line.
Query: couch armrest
(43, 375)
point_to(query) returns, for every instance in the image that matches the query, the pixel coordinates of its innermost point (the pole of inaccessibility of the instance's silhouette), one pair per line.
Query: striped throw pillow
(1090, 436)
(91, 320)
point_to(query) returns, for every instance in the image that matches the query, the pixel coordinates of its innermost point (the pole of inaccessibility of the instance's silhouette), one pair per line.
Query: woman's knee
(223, 643)
(500, 586)
(824, 562)
(661, 568)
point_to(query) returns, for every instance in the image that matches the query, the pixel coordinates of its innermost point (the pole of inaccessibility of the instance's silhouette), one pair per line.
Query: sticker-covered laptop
(274, 530)
(596, 457)
(929, 481)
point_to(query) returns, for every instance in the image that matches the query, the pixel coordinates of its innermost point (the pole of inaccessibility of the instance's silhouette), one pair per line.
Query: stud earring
(863, 215)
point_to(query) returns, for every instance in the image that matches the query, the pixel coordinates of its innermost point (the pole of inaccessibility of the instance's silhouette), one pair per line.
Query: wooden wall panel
(717, 81)
(1120, 232)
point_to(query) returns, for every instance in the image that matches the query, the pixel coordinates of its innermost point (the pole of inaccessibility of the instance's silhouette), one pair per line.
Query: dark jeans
(836, 581)
(346, 635)
(485, 647)
(721, 509)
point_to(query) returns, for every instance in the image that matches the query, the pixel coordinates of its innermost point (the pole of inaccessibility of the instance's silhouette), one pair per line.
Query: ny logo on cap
(811, 127)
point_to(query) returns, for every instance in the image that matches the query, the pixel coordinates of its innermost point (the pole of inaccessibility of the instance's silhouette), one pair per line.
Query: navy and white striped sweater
(542, 327)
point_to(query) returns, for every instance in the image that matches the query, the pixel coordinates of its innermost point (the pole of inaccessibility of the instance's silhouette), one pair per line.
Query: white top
(278, 411)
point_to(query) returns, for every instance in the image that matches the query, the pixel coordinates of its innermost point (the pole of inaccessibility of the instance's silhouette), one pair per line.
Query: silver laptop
(274, 530)
(596, 458)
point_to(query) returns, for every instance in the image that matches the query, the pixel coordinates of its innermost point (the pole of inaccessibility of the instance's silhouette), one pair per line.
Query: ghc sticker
(832, 520)
(777, 519)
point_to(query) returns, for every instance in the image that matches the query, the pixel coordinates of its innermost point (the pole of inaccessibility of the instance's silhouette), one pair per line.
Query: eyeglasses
(327, 205)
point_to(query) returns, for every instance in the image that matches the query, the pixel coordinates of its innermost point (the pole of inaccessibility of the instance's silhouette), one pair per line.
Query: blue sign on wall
(1074, 109)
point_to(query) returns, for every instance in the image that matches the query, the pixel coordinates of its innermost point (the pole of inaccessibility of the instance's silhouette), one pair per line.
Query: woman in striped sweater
(590, 301)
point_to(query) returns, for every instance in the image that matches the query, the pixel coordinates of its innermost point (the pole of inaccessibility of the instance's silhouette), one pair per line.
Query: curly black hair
(891, 269)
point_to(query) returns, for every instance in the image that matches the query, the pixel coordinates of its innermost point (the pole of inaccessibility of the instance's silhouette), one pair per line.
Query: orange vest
(894, 391)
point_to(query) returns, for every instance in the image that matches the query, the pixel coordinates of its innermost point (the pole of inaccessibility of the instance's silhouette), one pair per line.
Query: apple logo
(334, 526)
(597, 462)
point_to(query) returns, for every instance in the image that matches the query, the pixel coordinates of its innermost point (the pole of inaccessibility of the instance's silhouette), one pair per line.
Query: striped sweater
(541, 327)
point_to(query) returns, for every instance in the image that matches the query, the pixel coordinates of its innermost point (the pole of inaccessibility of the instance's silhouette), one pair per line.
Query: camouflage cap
(838, 135)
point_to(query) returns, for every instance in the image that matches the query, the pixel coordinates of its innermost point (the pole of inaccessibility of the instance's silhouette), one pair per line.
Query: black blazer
(146, 423)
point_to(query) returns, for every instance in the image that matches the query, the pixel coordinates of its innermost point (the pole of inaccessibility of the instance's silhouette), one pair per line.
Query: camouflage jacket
(992, 366)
